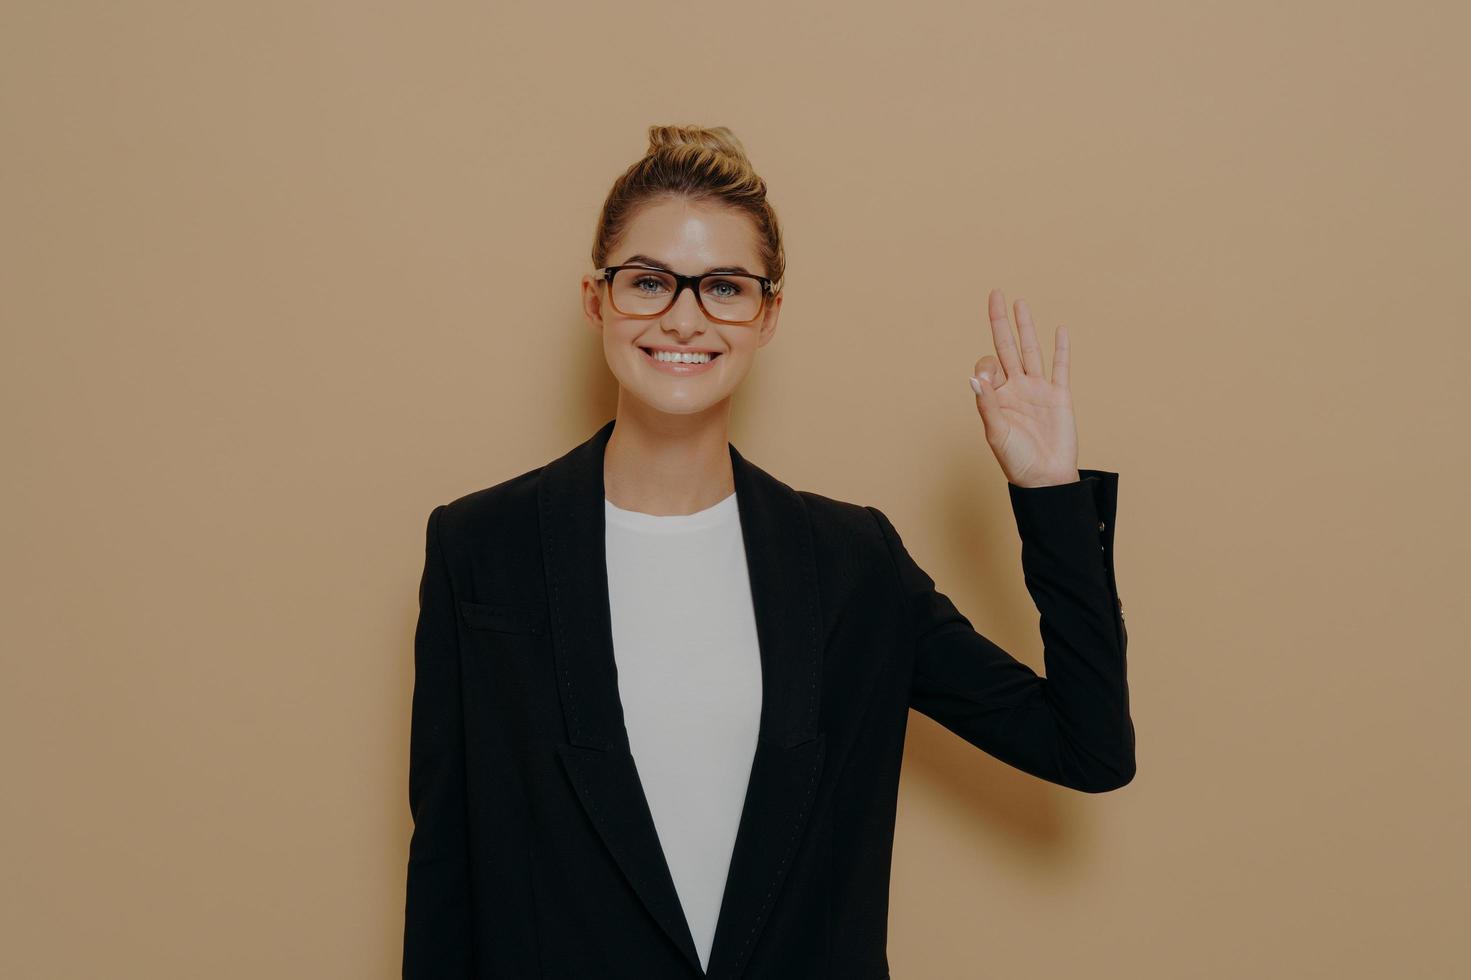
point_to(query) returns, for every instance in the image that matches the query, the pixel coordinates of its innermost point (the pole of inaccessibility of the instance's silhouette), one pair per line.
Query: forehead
(691, 237)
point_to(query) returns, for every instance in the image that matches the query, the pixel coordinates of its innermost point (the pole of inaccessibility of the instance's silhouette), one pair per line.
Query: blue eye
(733, 289)
(653, 281)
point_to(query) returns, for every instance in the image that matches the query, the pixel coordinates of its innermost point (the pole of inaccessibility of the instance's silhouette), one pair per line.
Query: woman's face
(686, 238)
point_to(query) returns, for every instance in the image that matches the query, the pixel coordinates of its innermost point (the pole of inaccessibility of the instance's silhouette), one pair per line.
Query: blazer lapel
(597, 755)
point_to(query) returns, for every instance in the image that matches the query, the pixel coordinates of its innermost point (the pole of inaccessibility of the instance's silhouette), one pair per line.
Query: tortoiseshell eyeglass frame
(768, 288)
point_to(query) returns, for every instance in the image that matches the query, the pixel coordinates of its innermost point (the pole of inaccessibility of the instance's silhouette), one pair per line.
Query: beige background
(277, 278)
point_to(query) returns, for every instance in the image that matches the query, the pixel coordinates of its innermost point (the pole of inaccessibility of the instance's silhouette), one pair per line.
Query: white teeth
(681, 358)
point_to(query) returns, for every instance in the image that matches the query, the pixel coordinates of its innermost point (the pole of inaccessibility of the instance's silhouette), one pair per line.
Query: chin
(660, 402)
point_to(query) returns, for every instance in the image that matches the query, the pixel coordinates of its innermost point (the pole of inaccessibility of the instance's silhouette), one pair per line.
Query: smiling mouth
(671, 358)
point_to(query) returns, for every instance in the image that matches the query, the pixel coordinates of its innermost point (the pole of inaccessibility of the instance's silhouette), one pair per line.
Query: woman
(660, 696)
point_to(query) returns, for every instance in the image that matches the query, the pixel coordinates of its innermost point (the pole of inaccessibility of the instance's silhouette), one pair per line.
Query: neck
(662, 464)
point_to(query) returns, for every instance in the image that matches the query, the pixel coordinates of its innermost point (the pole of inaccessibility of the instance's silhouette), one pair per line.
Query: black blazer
(534, 853)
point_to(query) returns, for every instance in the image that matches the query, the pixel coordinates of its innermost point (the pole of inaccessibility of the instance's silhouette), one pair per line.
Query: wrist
(1072, 476)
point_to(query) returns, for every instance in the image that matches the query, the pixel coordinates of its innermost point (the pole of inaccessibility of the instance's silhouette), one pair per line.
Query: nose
(685, 316)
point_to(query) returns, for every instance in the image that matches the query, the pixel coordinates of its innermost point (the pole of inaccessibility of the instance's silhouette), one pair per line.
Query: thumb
(986, 403)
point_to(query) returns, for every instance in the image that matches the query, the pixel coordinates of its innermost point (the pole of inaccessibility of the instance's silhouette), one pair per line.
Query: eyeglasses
(726, 297)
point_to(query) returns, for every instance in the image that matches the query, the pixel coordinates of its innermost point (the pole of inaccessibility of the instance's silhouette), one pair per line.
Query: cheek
(743, 351)
(619, 336)
(737, 365)
(620, 349)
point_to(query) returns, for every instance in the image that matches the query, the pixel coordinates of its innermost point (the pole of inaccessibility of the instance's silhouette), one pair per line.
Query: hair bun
(717, 138)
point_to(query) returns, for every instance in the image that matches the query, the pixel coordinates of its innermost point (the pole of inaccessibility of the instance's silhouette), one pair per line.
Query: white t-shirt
(689, 676)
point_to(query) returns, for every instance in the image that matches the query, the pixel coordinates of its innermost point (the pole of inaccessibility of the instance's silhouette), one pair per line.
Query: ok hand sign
(1028, 419)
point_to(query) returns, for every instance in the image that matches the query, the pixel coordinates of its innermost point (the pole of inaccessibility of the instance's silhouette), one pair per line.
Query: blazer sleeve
(437, 922)
(1072, 727)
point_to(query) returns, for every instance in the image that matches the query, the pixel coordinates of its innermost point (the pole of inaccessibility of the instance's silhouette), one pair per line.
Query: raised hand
(1029, 419)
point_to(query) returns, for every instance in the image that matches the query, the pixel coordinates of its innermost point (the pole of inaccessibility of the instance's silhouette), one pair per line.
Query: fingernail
(975, 385)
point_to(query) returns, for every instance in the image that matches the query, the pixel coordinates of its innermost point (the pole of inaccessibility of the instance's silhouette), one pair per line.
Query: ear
(769, 318)
(592, 301)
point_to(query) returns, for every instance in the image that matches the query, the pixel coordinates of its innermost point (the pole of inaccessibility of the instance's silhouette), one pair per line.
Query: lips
(680, 368)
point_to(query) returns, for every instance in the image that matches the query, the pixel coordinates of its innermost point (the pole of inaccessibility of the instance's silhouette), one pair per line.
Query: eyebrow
(646, 260)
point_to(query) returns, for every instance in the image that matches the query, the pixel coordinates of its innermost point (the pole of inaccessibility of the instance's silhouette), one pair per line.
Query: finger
(989, 365)
(1061, 357)
(1002, 337)
(1031, 350)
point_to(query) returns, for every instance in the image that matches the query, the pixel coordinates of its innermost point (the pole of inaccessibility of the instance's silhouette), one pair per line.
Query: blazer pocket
(503, 617)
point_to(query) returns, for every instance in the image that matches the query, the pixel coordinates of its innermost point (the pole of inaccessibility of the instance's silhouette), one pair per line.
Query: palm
(1028, 418)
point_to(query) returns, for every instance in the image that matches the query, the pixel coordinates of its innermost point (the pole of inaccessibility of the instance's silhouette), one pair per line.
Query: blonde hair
(702, 164)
